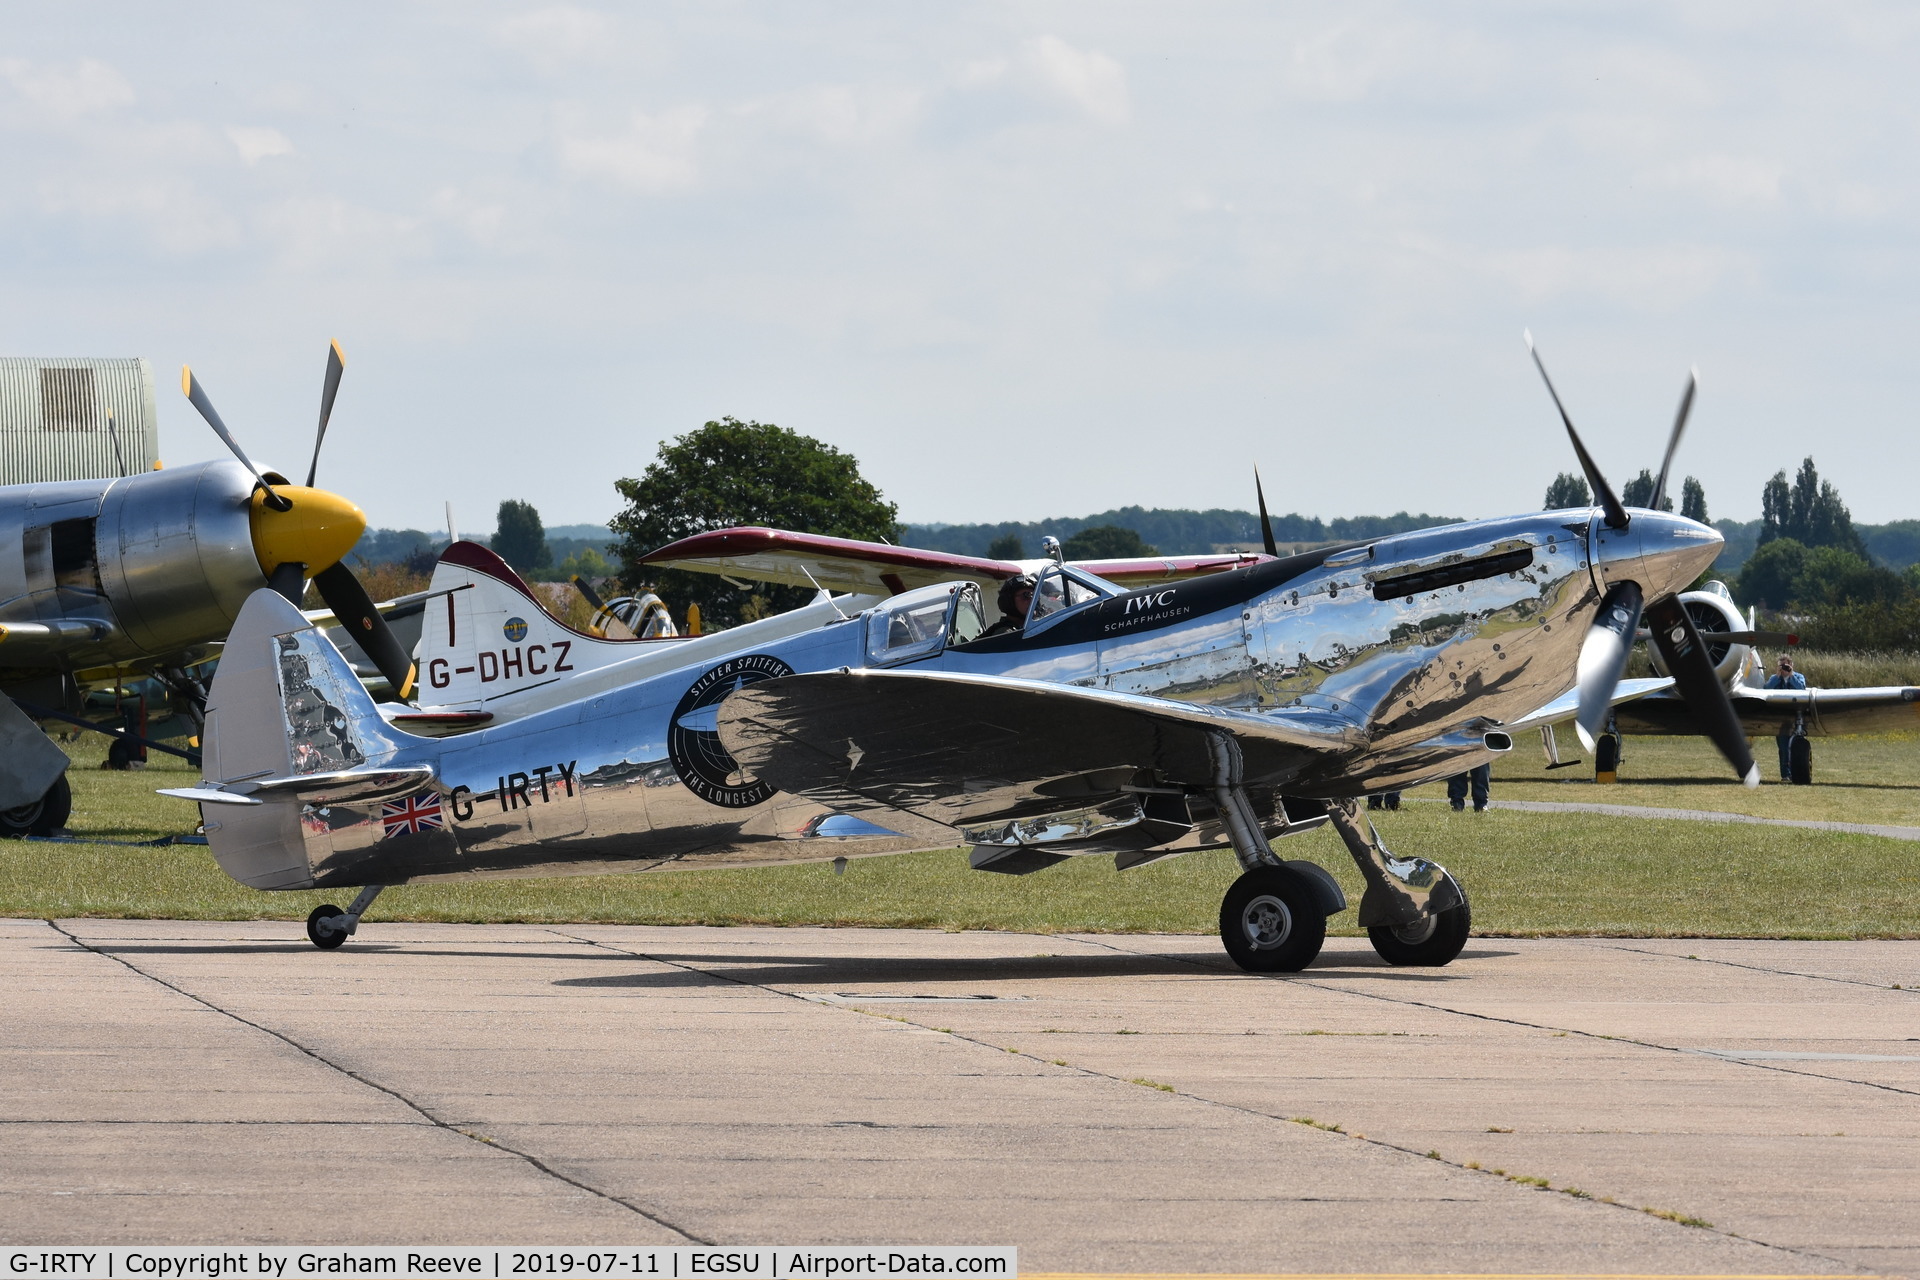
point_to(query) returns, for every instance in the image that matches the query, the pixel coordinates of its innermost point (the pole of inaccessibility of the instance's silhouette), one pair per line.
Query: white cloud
(256, 143)
(75, 89)
(1721, 177)
(839, 114)
(560, 34)
(653, 153)
(1090, 80)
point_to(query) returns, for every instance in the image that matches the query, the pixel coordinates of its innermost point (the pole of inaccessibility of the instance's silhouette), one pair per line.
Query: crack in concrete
(1236, 1108)
(418, 1109)
(1323, 986)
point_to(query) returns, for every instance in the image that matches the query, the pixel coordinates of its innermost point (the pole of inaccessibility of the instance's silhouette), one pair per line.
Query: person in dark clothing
(1479, 779)
(1016, 597)
(1384, 800)
(1785, 677)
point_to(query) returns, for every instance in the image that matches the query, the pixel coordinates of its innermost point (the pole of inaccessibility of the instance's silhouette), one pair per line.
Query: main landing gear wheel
(1430, 943)
(1800, 760)
(1271, 922)
(321, 934)
(42, 817)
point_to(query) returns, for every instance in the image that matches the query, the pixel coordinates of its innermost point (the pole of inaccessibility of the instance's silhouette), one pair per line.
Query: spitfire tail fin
(283, 704)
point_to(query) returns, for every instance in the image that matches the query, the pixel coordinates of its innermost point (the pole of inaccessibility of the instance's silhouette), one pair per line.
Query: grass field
(1527, 874)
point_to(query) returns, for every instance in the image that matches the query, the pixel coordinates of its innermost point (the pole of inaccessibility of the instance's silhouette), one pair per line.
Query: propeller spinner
(1643, 559)
(301, 532)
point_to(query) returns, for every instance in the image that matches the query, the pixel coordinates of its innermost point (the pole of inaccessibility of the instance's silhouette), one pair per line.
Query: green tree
(1693, 500)
(1105, 542)
(520, 539)
(1771, 573)
(1809, 511)
(1568, 490)
(731, 473)
(1831, 577)
(1639, 492)
(1006, 547)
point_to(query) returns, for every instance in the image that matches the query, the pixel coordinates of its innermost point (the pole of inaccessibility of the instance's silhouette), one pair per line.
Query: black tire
(1271, 922)
(1800, 760)
(46, 816)
(120, 755)
(1606, 754)
(326, 939)
(1433, 942)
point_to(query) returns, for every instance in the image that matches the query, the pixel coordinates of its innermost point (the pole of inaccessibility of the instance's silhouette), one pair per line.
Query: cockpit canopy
(1062, 588)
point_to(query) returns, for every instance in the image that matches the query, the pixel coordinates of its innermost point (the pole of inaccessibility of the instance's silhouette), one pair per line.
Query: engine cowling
(1713, 609)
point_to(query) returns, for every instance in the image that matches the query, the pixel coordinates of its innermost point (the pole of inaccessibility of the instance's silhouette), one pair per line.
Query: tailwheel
(320, 930)
(1271, 922)
(1429, 943)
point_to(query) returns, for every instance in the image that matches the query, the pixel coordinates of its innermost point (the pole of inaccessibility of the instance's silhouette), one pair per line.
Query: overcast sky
(1021, 260)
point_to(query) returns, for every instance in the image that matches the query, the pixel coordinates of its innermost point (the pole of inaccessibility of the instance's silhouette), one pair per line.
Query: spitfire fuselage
(1424, 643)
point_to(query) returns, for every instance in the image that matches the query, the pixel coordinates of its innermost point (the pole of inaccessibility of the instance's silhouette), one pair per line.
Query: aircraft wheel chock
(1606, 758)
(1271, 922)
(321, 935)
(1428, 943)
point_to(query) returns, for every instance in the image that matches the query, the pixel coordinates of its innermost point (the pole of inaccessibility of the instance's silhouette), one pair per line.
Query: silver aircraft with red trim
(1231, 709)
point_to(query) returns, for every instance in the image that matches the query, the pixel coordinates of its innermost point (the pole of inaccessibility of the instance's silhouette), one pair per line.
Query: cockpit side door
(920, 624)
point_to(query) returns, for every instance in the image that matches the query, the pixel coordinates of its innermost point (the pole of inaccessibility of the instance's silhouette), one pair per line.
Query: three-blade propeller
(1609, 639)
(311, 542)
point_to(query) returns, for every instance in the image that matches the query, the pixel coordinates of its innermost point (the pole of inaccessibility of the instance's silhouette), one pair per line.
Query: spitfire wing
(875, 568)
(1564, 707)
(1769, 711)
(961, 749)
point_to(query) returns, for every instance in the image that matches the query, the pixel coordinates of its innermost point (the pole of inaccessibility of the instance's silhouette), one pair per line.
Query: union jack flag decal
(413, 814)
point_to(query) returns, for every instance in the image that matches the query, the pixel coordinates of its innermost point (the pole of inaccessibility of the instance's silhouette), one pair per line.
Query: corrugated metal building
(53, 419)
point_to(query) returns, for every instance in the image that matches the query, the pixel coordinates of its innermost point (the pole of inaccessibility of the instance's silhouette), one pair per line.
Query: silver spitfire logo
(693, 737)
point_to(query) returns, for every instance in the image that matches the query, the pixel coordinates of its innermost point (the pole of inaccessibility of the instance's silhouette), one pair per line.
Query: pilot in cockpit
(1016, 597)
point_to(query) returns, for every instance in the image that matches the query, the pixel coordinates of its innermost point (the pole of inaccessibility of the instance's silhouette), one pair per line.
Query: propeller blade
(1673, 440)
(1266, 524)
(337, 365)
(290, 580)
(1686, 656)
(592, 597)
(194, 393)
(1602, 491)
(354, 609)
(1603, 657)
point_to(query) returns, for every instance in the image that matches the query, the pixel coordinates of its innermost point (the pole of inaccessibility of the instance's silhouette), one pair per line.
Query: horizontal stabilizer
(312, 788)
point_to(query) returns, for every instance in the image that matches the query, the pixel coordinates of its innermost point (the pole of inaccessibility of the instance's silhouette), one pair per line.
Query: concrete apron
(1112, 1103)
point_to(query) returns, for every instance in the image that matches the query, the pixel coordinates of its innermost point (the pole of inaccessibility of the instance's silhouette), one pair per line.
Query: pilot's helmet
(1011, 587)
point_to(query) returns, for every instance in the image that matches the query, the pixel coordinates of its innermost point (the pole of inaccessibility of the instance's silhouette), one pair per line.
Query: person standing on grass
(1479, 779)
(1785, 677)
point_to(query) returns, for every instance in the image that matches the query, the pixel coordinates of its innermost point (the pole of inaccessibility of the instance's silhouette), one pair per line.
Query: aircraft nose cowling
(1659, 551)
(318, 530)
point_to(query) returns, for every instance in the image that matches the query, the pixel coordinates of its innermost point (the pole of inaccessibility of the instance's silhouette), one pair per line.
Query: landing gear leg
(329, 927)
(1414, 911)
